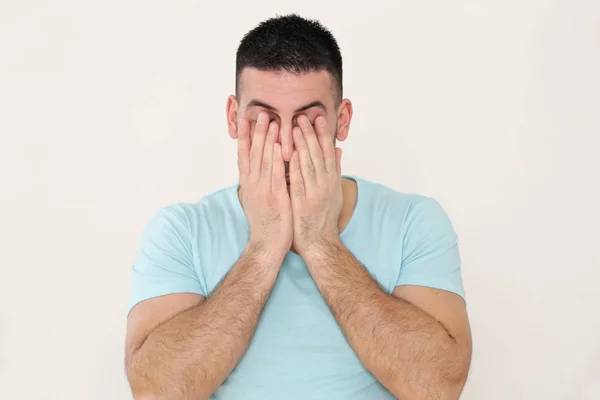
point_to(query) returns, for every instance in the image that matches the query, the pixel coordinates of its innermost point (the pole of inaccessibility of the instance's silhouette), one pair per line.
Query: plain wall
(110, 110)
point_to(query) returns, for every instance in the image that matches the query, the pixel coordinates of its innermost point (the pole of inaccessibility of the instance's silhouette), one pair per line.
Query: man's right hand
(263, 189)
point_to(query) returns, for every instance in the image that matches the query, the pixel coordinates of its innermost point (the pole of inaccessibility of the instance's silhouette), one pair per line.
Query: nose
(286, 140)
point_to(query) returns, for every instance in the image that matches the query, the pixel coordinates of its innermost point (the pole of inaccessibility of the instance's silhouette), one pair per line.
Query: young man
(298, 282)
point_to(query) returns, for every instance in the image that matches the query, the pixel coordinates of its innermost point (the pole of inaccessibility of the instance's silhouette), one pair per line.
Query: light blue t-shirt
(298, 350)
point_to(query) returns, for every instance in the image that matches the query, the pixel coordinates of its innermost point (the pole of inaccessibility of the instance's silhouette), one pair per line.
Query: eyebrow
(258, 103)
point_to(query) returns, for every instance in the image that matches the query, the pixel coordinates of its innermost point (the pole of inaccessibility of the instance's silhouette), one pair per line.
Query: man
(297, 282)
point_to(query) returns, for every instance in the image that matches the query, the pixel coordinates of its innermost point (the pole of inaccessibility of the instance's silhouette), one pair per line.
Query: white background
(110, 110)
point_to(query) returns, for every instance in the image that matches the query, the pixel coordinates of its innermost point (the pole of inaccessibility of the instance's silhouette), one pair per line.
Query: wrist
(265, 254)
(320, 247)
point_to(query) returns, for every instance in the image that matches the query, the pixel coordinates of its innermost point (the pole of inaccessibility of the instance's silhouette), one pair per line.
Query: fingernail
(321, 121)
(242, 123)
(262, 118)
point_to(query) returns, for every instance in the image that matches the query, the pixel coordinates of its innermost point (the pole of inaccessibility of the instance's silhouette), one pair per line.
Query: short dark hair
(290, 43)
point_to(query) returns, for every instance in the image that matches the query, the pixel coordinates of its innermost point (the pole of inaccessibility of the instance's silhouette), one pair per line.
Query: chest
(298, 342)
(297, 338)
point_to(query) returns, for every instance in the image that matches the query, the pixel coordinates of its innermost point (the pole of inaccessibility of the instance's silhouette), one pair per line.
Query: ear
(232, 113)
(344, 117)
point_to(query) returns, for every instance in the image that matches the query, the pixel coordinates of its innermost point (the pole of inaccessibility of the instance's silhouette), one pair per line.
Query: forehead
(284, 89)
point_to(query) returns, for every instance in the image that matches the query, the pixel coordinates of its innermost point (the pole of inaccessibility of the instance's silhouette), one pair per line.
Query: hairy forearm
(190, 355)
(408, 351)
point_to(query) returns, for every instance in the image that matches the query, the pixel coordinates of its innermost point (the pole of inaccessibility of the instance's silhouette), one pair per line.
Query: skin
(287, 94)
(416, 342)
(183, 346)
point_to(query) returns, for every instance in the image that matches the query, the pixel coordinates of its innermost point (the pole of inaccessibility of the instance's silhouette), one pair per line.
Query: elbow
(451, 381)
(452, 389)
(145, 397)
(145, 394)
(148, 384)
(451, 378)
(430, 391)
(439, 384)
(140, 389)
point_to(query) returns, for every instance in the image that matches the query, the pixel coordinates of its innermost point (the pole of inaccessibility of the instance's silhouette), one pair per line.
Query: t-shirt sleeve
(164, 261)
(430, 254)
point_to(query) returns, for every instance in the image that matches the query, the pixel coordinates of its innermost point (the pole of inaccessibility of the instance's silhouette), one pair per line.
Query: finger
(326, 143)
(287, 144)
(266, 168)
(244, 148)
(338, 160)
(307, 169)
(314, 148)
(297, 188)
(258, 144)
(251, 128)
(278, 183)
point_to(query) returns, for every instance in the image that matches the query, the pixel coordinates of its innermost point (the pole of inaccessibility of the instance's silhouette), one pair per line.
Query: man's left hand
(315, 186)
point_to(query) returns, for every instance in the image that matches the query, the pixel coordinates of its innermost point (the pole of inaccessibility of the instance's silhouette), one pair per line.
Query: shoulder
(385, 198)
(188, 215)
(395, 209)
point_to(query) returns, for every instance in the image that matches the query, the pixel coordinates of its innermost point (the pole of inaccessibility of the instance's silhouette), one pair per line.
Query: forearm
(190, 355)
(408, 351)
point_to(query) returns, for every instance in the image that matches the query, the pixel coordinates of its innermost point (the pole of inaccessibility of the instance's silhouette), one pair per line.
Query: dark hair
(290, 43)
